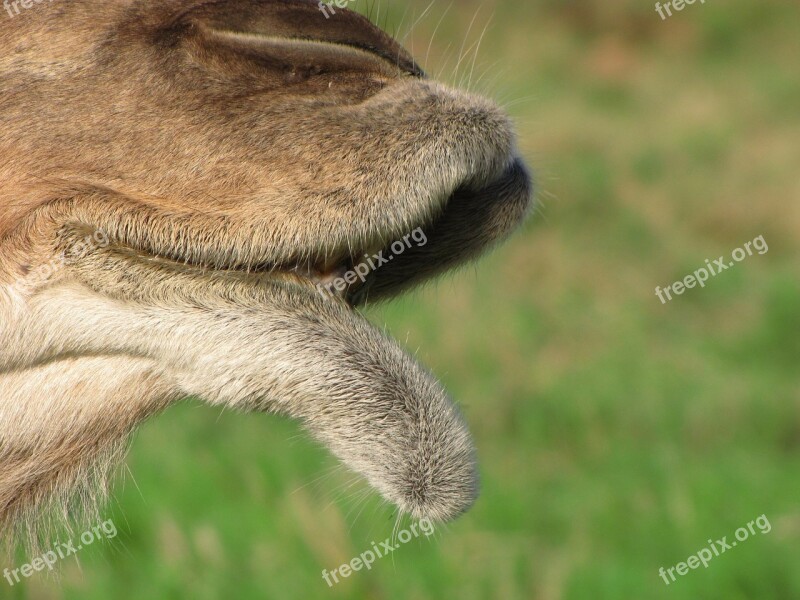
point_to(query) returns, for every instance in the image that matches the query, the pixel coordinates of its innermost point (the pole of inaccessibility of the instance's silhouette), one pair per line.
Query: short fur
(232, 151)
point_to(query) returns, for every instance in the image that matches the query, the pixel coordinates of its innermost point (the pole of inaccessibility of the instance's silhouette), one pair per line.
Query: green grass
(615, 435)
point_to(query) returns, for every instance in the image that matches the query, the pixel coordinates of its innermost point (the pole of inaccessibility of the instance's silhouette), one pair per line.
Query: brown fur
(232, 152)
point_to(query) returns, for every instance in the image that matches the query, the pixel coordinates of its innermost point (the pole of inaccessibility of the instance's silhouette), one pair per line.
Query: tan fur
(231, 153)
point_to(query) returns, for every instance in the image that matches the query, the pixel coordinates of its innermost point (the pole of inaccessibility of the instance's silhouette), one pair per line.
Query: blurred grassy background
(616, 435)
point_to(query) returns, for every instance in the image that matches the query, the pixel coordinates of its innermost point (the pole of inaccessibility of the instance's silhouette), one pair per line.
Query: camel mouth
(473, 217)
(413, 444)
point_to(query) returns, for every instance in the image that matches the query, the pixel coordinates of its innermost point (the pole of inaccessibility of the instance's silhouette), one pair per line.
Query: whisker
(363, 502)
(464, 42)
(445, 61)
(435, 31)
(327, 474)
(422, 16)
(477, 51)
(496, 74)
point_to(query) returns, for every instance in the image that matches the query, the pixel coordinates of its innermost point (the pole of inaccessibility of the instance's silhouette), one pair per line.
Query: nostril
(293, 59)
(303, 21)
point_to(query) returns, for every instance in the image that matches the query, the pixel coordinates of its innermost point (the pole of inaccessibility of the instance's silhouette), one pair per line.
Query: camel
(177, 180)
